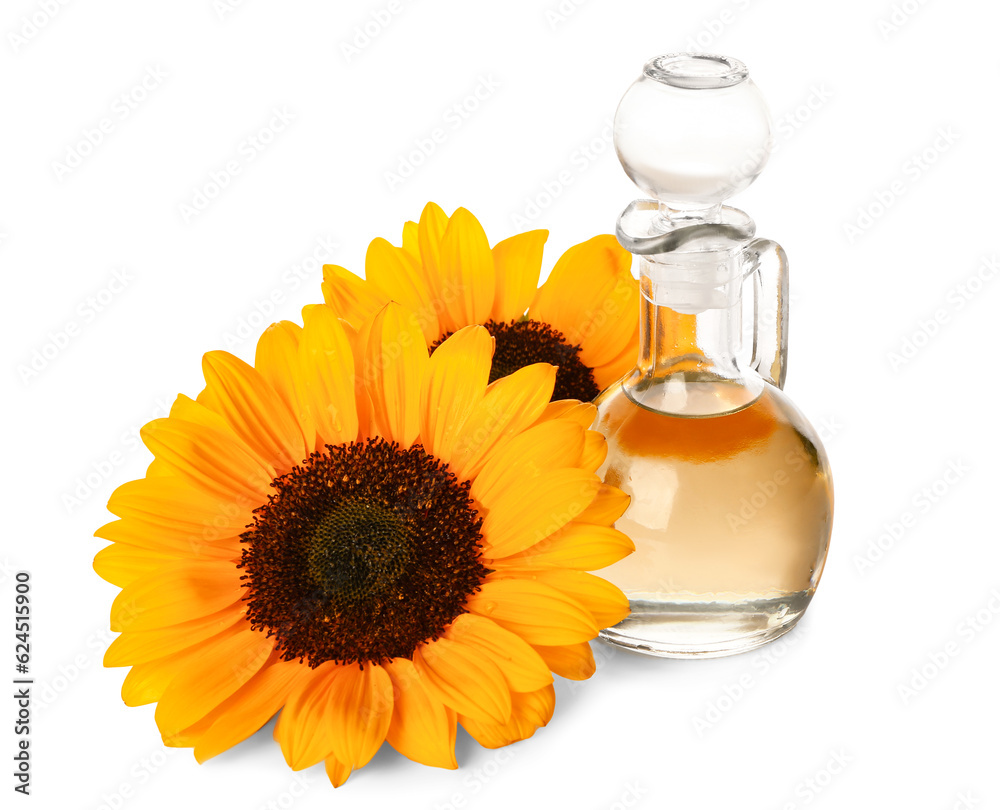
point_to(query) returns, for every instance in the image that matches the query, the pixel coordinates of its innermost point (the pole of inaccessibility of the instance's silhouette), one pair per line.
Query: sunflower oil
(730, 513)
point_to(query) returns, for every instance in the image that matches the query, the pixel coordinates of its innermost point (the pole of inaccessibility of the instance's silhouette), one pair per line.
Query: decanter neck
(675, 339)
(691, 333)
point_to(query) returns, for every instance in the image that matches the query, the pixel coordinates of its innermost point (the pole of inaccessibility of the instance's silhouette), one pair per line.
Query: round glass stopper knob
(693, 130)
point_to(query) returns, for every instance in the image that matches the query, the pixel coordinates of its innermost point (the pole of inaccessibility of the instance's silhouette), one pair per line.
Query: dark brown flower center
(521, 343)
(363, 553)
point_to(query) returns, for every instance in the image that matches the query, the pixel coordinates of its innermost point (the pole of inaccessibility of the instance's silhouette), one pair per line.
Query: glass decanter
(731, 496)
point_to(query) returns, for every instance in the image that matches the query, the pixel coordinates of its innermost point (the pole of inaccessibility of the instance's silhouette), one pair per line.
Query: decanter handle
(768, 270)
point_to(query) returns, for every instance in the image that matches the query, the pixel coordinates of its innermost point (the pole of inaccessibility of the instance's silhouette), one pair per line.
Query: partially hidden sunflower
(583, 319)
(373, 541)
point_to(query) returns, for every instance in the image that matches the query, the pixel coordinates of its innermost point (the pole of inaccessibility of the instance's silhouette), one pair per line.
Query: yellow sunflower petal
(517, 262)
(531, 510)
(592, 298)
(176, 541)
(181, 509)
(277, 361)
(583, 413)
(359, 712)
(362, 401)
(411, 239)
(530, 455)
(536, 612)
(614, 340)
(422, 727)
(595, 451)
(531, 710)
(468, 278)
(234, 658)
(336, 771)
(211, 459)
(145, 683)
(609, 505)
(463, 679)
(254, 410)
(176, 592)
(395, 368)
(430, 233)
(457, 375)
(147, 645)
(510, 405)
(573, 661)
(351, 297)
(326, 363)
(188, 737)
(303, 728)
(398, 274)
(522, 667)
(606, 603)
(615, 368)
(121, 564)
(247, 710)
(157, 469)
(190, 410)
(581, 546)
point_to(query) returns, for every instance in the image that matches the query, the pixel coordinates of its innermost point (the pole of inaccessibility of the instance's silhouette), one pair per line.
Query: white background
(893, 113)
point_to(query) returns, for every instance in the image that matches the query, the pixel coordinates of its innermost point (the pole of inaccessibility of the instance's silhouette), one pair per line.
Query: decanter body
(731, 496)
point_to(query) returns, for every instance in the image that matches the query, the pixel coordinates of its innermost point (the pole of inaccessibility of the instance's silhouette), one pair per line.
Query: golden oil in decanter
(730, 514)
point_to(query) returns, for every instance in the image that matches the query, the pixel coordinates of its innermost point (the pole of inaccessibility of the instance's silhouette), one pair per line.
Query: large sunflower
(377, 543)
(584, 319)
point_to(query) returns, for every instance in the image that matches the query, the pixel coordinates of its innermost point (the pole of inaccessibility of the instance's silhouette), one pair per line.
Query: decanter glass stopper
(692, 131)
